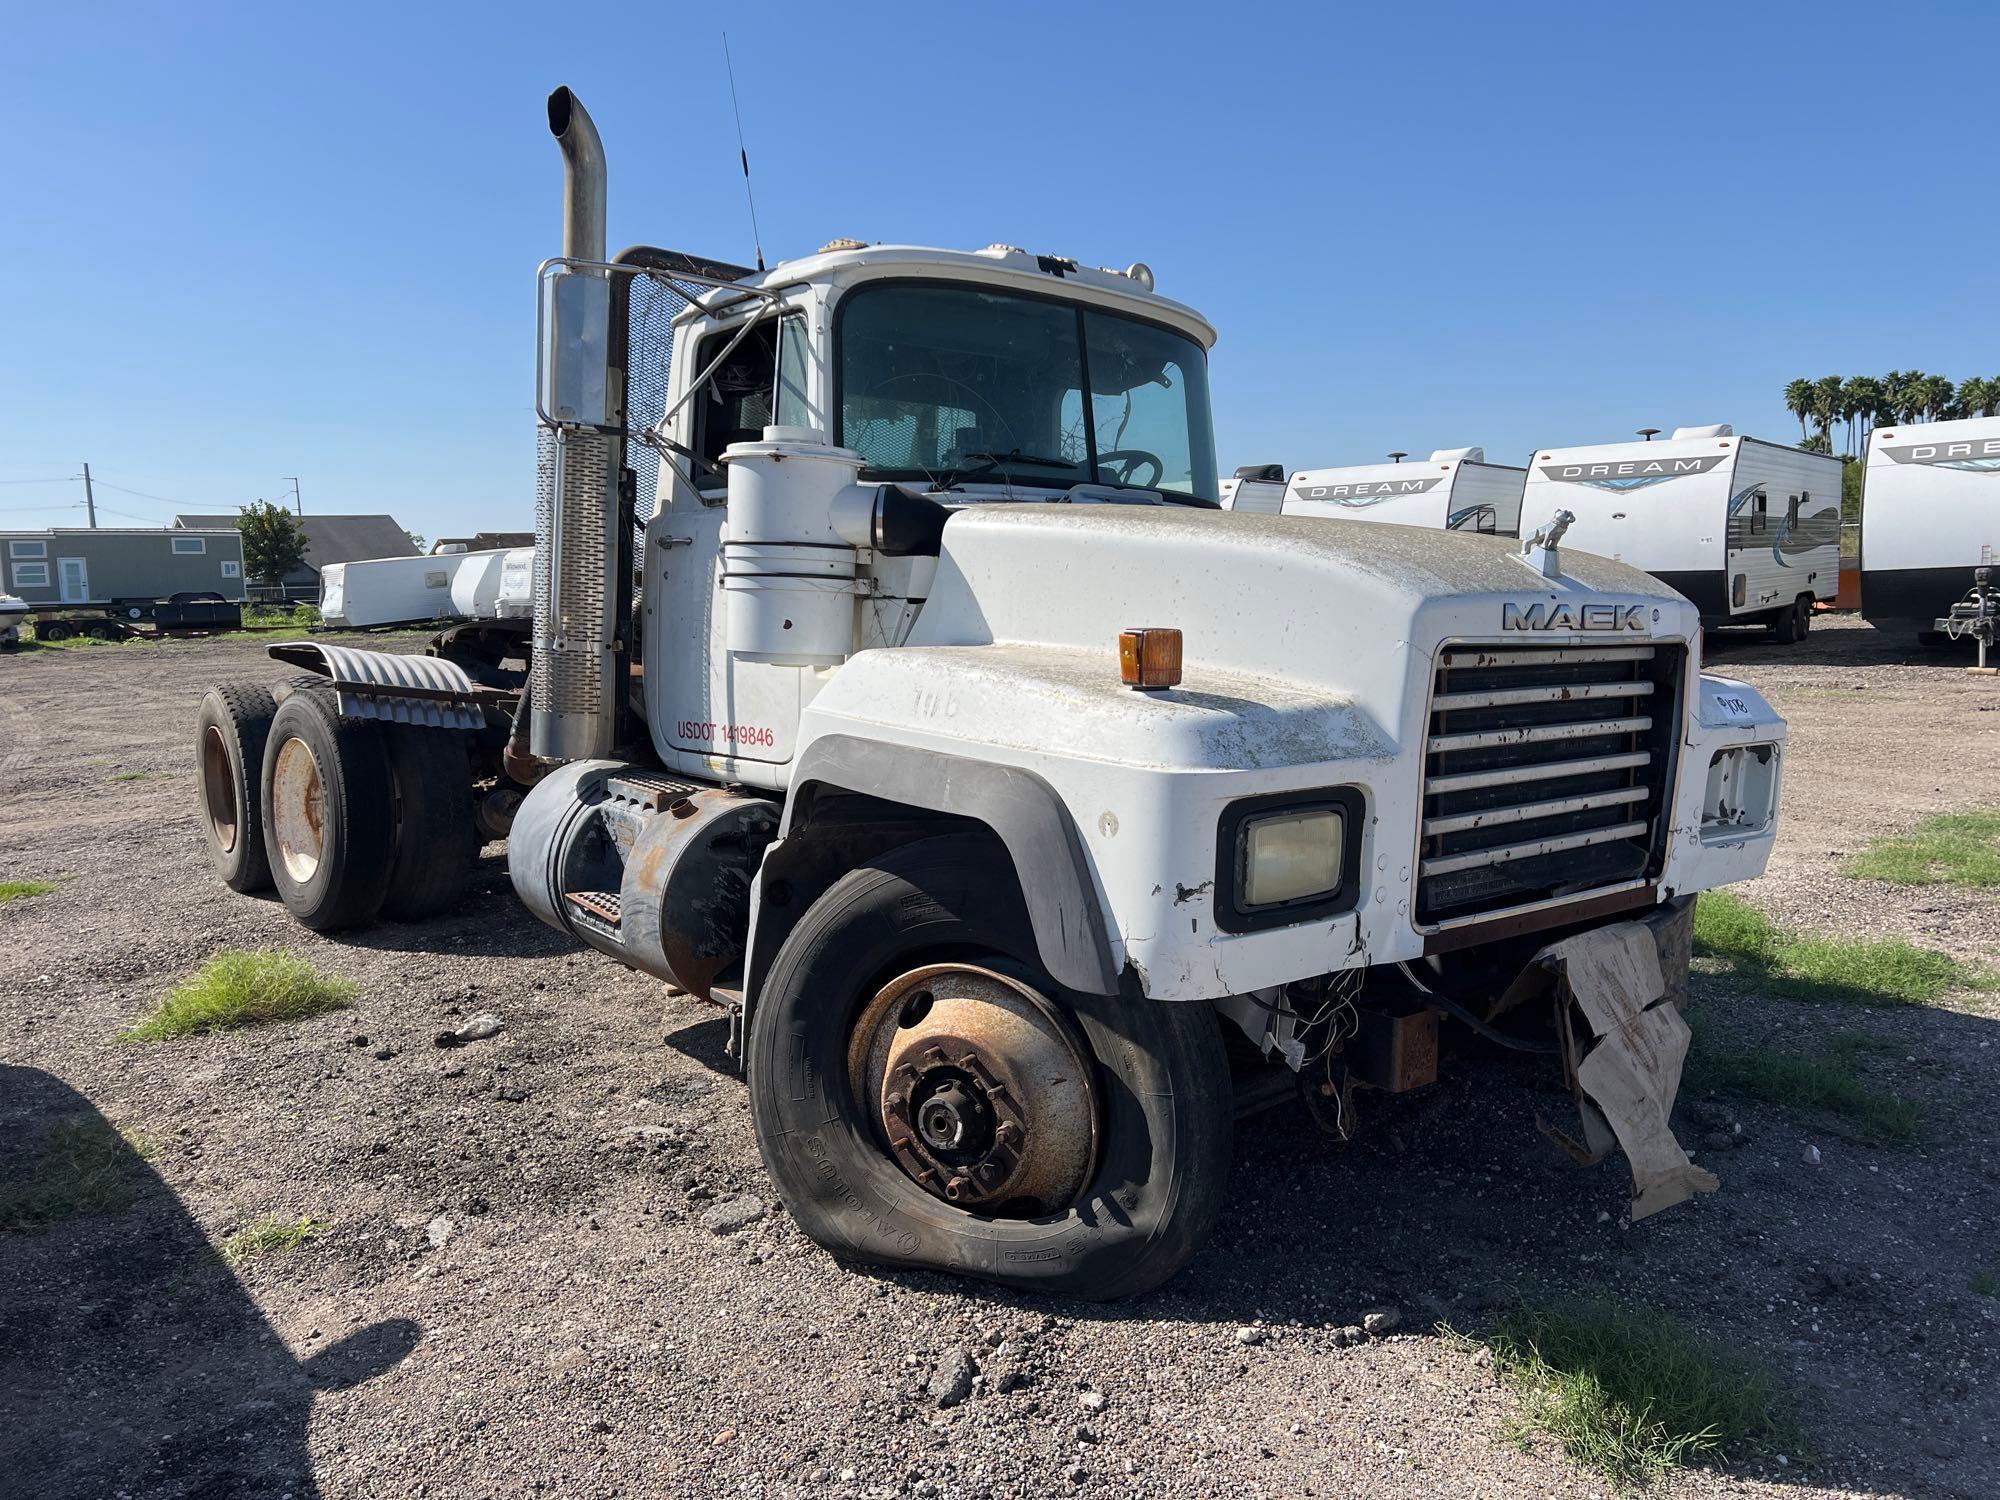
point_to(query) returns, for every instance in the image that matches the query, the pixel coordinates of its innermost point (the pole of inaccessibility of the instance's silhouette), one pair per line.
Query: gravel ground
(551, 1264)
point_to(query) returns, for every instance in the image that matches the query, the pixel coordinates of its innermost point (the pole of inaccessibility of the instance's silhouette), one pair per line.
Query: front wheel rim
(979, 1088)
(298, 810)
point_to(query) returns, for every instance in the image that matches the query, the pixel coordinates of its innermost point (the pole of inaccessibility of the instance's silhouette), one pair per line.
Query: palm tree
(1901, 387)
(1979, 397)
(1938, 396)
(1864, 405)
(1798, 401)
(1826, 407)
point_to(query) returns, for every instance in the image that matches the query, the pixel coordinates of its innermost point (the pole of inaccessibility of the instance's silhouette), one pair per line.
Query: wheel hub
(298, 809)
(219, 784)
(980, 1089)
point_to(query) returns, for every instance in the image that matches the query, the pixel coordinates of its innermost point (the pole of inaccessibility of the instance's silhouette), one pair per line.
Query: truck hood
(1355, 609)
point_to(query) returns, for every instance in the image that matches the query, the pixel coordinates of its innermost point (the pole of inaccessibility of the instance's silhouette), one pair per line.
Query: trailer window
(1760, 510)
(31, 575)
(191, 545)
(28, 549)
(1792, 512)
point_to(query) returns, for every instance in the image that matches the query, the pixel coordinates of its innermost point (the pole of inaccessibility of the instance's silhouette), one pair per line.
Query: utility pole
(89, 498)
(297, 504)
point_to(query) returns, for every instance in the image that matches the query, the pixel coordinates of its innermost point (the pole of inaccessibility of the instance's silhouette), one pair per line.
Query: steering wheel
(1133, 460)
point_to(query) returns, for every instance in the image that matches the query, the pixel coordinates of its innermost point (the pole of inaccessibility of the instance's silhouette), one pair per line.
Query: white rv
(1455, 490)
(495, 585)
(1255, 489)
(1747, 530)
(1930, 514)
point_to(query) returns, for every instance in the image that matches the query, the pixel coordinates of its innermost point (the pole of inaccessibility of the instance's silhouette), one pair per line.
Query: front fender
(1021, 809)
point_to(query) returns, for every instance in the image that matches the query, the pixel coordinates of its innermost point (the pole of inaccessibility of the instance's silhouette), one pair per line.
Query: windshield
(957, 384)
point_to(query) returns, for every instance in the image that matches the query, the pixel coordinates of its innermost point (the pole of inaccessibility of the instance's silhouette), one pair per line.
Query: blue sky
(241, 243)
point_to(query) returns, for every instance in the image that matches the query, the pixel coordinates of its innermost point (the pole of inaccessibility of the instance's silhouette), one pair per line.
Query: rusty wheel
(979, 1088)
(230, 730)
(326, 805)
(926, 1095)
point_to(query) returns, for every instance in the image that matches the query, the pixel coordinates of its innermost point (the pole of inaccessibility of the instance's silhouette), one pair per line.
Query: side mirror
(574, 361)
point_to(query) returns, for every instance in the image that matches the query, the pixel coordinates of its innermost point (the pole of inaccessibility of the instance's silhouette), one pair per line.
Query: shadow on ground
(132, 1361)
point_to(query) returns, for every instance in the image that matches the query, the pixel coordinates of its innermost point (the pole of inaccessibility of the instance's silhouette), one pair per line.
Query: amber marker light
(1149, 659)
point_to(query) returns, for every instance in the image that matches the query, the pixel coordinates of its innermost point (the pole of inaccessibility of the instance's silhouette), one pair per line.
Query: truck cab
(897, 684)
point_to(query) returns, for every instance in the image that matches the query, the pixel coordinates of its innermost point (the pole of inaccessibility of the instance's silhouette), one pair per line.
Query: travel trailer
(1256, 489)
(116, 582)
(1747, 530)
(492, 585)
(1455, 490)
(1930, 514)
(64, 566)
(12, 613)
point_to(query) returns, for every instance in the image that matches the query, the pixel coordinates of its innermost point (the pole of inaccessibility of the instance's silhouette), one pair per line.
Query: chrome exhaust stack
(580, 576)
(583, 176)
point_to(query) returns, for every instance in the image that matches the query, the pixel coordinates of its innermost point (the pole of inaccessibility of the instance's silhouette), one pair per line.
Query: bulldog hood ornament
(1540, 549)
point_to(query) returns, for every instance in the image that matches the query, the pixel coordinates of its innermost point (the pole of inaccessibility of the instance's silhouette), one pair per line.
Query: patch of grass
(21, 890)
(1827, 1080)
(1956, 849)
(1880, 971)
(1986, 1283)
(86, 1168)
(1630, 1393)
(269, 617)
(268, 1237)
(242, 988)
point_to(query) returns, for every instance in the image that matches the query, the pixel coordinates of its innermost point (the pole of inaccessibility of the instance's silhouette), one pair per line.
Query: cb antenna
(742, 151)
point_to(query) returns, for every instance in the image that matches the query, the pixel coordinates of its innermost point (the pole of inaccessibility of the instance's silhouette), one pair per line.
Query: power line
(162, 499)
(65, 479)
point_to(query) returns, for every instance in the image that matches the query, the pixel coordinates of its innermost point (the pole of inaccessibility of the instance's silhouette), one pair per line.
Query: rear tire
(326, 794)
(231, 727)
(1157, 1081)
(1791, 623)
(434, 835)
(54, 630)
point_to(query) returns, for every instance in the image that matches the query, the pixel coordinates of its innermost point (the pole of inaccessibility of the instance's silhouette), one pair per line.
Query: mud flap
(1623, 1045)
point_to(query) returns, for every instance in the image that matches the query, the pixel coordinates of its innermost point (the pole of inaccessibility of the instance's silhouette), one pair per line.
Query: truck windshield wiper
(1167, 497)
(999, 461)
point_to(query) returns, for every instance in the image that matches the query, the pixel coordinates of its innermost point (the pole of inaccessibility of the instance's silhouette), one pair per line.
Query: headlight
(1286, 858)
(1291, 857)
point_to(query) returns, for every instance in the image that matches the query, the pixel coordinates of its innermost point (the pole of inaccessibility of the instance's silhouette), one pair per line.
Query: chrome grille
(1546, 770)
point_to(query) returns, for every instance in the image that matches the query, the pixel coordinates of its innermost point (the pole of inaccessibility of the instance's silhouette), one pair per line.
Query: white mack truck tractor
(896, 683)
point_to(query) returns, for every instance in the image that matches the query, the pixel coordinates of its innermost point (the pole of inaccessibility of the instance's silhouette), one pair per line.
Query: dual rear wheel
(348, 818)
(1793, 622)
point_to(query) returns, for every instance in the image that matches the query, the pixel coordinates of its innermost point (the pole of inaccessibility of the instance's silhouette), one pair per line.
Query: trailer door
(74, 575)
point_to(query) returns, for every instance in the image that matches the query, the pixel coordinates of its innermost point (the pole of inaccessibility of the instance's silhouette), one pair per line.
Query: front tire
(327, 828)
(1105, 1217)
